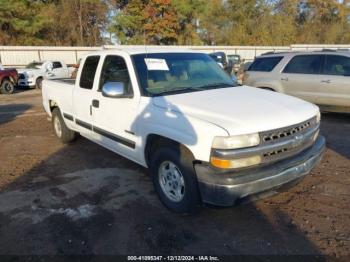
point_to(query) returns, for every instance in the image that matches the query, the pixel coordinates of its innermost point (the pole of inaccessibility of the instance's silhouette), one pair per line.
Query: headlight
(233, 142)
(318, 117)
(30, 75)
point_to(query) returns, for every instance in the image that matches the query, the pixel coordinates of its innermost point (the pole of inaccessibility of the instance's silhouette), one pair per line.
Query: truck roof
(144, 50)
(291, 53)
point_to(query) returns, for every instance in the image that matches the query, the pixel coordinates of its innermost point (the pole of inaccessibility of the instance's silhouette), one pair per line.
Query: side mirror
(113, 89)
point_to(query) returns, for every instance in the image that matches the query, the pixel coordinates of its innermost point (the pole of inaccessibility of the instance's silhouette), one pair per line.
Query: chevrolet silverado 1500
(179, 114)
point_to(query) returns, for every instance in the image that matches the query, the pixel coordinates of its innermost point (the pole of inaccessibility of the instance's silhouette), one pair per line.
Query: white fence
(19, 56)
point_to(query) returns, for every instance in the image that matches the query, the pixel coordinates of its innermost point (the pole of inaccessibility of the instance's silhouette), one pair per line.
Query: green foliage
(22, 22)
(180, 22)
(142, 21)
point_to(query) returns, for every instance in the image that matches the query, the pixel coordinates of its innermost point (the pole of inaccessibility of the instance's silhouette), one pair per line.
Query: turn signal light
(235, 163)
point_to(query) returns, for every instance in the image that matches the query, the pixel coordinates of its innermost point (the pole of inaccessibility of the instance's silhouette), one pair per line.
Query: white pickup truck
(179, 114)
(36, 72)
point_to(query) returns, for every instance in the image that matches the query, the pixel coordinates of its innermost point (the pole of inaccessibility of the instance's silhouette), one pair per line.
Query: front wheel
(174, 179)
(64, 134)
(7, 87)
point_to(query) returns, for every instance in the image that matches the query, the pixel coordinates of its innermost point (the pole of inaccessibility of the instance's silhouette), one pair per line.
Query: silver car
(321, 77)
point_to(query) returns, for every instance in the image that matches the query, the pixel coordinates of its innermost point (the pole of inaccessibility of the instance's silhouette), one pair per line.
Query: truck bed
(58, 91)
(70, 81)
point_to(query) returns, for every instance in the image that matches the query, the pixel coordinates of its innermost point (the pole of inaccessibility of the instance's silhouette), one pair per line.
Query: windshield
(234, 58)
(34, 65)
(173, 73)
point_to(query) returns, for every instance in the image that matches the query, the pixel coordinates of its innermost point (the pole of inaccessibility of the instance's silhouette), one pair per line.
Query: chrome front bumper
(226, 188)
(26, 82)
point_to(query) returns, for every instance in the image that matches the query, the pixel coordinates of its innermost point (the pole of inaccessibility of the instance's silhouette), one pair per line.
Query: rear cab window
(265, 64)
(56, 65)
(88, 72)
(304, 64)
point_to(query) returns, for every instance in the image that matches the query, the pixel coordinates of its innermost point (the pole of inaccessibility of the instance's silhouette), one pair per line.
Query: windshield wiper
(178, 91)
(215, 85)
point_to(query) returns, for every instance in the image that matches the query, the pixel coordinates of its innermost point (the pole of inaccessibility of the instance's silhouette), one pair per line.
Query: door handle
(326, 81)
(284, 79)
(95, 103)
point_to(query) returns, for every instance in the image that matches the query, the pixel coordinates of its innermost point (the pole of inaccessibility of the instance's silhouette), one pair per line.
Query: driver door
(113, 117)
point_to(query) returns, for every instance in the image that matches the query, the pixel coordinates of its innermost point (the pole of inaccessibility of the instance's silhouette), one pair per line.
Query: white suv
(321, 77)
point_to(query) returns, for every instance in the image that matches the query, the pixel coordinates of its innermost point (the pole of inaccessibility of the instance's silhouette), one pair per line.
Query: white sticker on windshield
(156, 64)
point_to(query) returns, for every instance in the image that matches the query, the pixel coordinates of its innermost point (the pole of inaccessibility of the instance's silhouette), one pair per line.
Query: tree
(22, 22)
(150, 22)
(78, 22)
(189, 17)
(160, 22)
(184, 22)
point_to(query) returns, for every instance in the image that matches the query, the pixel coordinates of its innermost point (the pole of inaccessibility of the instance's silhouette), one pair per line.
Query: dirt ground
(84, 199)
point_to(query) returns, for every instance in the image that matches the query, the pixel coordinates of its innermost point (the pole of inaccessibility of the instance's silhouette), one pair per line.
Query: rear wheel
(39, 83)
(64, 134)
(174, 179)
(7, 87)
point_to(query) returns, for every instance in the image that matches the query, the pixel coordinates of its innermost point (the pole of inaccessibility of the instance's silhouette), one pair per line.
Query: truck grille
(21, 76)
(277, 144)
(289, 140)
(275, 135)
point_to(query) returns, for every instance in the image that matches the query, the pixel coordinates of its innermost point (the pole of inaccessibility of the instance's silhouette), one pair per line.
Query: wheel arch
(154, 141)
(6, 78)
(52, 105)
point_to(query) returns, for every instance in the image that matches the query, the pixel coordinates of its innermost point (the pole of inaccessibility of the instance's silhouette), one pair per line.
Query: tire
(7, 87)
(39, 83)
(178, 164)
(63, 133)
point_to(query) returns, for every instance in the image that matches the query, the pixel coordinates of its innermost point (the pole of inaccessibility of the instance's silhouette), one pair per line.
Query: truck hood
(240, 110)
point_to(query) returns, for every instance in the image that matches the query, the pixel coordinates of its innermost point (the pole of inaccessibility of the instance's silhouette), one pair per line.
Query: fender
(274, 85)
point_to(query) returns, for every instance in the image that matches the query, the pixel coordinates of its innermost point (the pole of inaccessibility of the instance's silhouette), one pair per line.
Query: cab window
(115, 70)
(56, 65)
(89, 71)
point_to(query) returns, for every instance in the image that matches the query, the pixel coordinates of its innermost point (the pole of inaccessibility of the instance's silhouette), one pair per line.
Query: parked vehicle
(235, 61)
(35, 72)
(221, 59)
(179, 114)
(223, 62)
(321, 77)
(8, 80)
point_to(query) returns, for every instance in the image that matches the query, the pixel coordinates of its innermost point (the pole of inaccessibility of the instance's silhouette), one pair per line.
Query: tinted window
(115, 70)
(337, 65)
(56, 65)
(88, 73)
(265, 64)
(304, 64)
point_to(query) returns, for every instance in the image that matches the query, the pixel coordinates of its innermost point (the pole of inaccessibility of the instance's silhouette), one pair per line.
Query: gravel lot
(83, 199)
